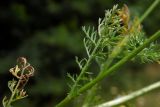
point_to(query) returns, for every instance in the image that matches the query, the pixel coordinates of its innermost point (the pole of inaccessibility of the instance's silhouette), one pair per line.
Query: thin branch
(83, 71)
(131, 96)
(149, 10)
(14, 92)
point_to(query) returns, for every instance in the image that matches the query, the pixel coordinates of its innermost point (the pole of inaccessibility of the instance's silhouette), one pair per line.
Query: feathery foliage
(118, 39)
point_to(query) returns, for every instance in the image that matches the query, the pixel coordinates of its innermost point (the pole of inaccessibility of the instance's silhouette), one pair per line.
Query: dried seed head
(14, 71)
(30, 70)
(22, 61)
(124, 18)
(23, 81)
(23, 93)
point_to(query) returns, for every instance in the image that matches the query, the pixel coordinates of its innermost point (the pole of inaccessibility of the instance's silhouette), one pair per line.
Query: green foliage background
(48, 33)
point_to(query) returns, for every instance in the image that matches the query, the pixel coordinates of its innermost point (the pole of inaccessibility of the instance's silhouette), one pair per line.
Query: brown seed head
(22, 61)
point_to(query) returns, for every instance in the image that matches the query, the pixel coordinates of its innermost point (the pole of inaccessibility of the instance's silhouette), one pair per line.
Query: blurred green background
(48, 33)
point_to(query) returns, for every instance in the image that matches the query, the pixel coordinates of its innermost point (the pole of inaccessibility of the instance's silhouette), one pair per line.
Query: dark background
(48, 33)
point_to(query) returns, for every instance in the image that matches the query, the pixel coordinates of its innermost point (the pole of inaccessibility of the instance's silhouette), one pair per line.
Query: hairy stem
(131, 96)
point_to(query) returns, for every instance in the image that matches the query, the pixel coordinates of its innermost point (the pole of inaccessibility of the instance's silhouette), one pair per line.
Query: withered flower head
(22, 61)
(30, 70)
(22, 71)
(23, 93)
(15, 71)
(124, 15)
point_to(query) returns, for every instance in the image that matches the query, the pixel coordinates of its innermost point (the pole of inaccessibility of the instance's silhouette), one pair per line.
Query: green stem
(149, 10)
(118, 48)
(117, 65)
(131, 96)
(84, 69)
(14, 92)
(112, 69)
(120, 63)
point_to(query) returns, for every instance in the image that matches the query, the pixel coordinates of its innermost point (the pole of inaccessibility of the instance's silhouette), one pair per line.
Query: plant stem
(116, 50)
(125, 59)
(131, 96)
(84, 69)
(14, 92)
(120, 63)
(154, 4)
(112, 69)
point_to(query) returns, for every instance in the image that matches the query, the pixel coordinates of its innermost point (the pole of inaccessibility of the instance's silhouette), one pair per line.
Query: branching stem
(15, 89)
(111, 70)
(120, 63)
(84, 69)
